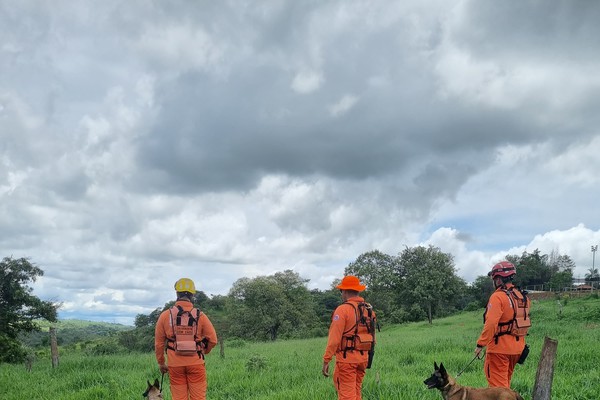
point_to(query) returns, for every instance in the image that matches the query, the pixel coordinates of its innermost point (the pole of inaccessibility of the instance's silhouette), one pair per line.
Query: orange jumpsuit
(349, 369)
(187, 373)
(503, 351)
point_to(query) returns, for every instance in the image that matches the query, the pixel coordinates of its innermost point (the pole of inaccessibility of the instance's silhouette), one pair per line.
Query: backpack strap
(348, 341)
(196, 320)
(356, 314)
(171, 340)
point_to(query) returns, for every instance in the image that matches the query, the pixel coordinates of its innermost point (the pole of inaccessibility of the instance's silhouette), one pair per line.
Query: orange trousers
(347, 378)
(499, 368)
(188, 383)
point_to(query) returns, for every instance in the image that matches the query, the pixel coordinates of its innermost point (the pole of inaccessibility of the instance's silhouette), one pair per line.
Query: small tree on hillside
(19, 308)
(142, 320)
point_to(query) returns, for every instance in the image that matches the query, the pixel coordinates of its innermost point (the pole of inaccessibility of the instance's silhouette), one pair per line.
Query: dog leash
(467, 366)
(161, 382)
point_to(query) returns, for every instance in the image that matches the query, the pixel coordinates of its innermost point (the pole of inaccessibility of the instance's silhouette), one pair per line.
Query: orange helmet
(503, 269)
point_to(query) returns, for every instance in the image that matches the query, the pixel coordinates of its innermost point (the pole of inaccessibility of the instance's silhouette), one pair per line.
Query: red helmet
(503, 269)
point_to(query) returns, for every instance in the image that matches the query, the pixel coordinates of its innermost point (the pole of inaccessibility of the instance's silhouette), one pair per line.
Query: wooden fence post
(53, 347)
(542, 389)
(222, 347)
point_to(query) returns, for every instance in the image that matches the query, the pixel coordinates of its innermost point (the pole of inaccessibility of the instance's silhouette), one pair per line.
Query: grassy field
(291, 369)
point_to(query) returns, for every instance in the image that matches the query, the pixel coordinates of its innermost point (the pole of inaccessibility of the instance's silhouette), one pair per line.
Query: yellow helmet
(185, 285)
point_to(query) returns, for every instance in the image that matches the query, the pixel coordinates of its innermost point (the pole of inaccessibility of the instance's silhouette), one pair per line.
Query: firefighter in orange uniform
(345, 333)
(505, 342)
(185, 335)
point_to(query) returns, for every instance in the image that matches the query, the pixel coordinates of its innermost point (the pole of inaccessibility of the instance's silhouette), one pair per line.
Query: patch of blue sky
(486, 234)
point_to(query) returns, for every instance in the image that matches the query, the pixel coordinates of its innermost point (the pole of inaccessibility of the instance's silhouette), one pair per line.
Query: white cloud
(182, 46)
(579, 165)
(305, 82)
(344, 105)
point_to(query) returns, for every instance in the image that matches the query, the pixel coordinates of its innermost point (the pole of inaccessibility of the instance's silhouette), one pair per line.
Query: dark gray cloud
(531, 30)
(142, 142)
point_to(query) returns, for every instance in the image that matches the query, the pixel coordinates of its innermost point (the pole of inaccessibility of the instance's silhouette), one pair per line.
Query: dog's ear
(156, 384)
(435, 366)
(443, 370)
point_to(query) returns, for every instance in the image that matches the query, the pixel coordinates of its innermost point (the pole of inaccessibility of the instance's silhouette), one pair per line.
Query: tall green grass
(292, 369)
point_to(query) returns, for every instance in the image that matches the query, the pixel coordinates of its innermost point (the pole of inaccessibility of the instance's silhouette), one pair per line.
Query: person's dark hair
(185, 295)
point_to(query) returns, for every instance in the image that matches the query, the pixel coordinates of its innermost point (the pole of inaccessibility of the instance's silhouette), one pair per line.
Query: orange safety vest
(521, 322)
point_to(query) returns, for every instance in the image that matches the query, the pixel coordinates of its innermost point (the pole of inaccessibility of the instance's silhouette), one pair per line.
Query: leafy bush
(104, 348)
(473, 306)
(139, 339)
(399, 316)
(256, 363)
(236, 343)
(416, 313)
(11, 351)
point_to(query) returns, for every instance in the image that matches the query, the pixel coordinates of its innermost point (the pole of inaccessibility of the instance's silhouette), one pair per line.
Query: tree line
(418, 284)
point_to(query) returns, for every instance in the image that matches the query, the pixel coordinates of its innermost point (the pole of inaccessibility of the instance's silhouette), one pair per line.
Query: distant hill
(71, 331)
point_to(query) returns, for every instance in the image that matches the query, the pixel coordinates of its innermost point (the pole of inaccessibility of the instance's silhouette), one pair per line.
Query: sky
(141, 142)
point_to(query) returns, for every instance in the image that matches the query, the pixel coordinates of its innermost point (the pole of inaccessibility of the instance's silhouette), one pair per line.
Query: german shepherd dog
(453, 391)
(153, 391)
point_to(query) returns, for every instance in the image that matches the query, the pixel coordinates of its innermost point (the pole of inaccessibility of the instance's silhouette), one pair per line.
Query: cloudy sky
(144, 141)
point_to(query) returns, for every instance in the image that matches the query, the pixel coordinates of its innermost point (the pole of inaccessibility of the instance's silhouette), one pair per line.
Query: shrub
(139, 339)
(11, 351)
(399, 316)
(256, 363)
(416, 313)
(473, 306)
(236, 343)
(105, 348)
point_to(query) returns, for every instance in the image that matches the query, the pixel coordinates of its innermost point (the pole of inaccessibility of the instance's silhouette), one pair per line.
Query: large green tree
(481, 289)
(19, 308)
(536, 269)
(377, 270)
(561, 280)
(430, 282)
(325, 302)
(383, 275)
(532, 268)
(267, 307)
(559, 262)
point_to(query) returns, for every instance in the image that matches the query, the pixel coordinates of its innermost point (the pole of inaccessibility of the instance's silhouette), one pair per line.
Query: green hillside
(72, 331)
(287, 370)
